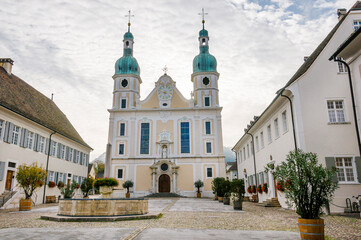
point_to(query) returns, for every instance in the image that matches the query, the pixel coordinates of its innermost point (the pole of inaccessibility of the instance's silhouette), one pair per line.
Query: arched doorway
(164, 183)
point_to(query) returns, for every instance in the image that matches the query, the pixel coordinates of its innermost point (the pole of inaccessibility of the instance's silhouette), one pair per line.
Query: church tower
(127, 77)
(205, 75)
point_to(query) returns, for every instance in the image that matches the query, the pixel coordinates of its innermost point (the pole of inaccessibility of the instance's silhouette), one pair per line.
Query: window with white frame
(247, 151)
(209, 147)
(262, 140)
(341, 68)
(120, 173)
(244, 153)
(51, 176)
(41, 144)
(53, 148)
(208, 127)
(71, 154)
(62, 152)
(30, 139)
(209, 172)
(345, 169)
(15, 135)
(123, 103)
(356, 24)
(1, 128)
(121, 149)
(277, 130)
(122, 129)
(284, 121)
(207, 101)
(336, 113)
(257, 144)
(60, 177)
(77, 158)
(84, 159)
(269, 133)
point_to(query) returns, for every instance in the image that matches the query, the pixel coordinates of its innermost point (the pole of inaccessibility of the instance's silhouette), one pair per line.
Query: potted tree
(68, 190)
(29, 178)
(216, 185)
(226, 188)
(238, 190)
(198, 184)
(105, 186)
(309, 189)
(86, 186)
(128, 184)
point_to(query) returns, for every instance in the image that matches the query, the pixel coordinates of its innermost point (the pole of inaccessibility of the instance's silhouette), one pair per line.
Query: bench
(51, 199)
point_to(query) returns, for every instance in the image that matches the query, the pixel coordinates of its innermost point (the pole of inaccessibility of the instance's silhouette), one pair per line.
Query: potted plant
(238, 190)
(61, 184)
(68, 190)
(259, 189)
(226, 188)
(254, 189)
(280, 185)
(51, 184)
(198, 184)
(249, 189)
(86, 186)
(29, 178)
(105, 186)
(309, 189)
(128, 184)
(265, 187)
(216, 187)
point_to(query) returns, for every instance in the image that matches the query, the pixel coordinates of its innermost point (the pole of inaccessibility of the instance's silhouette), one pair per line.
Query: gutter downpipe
(47, 164)
(293, 121)
(254, 164)
(353, 101)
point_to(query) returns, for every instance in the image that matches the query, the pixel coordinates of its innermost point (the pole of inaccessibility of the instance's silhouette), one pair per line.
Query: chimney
(341, 12)
(7, 64)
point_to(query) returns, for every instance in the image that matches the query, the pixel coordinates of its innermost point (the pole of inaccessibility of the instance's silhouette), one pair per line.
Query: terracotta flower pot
(220, 199)
(199, 195)
(25, 204)
(311, 228)
(127, 195)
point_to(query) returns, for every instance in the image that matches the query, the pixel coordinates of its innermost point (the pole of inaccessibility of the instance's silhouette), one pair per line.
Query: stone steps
(163, 195)
(273, 202)
(5, 196)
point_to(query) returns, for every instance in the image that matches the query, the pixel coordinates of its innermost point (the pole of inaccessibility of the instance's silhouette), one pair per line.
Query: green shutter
(358, 168)
(2, 170)
(331, 165)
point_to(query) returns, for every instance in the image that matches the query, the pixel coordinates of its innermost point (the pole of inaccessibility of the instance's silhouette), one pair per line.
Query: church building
(165, 142)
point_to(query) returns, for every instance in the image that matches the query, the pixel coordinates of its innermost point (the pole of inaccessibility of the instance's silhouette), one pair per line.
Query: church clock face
(165, 92)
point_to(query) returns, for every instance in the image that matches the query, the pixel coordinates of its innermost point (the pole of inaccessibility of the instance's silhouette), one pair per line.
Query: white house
(312, 112)
(30, 125)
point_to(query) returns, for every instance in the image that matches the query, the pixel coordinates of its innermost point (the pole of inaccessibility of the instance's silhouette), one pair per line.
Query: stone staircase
(273, 202)
(5, 196)
(163, 195)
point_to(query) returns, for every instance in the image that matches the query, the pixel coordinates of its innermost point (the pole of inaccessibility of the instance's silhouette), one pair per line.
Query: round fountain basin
(103, 207)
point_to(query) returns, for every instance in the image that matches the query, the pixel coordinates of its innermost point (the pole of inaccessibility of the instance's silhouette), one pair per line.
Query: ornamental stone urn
(106, 191)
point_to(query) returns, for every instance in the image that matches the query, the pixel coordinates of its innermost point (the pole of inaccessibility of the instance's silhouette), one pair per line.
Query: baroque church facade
(165, 142)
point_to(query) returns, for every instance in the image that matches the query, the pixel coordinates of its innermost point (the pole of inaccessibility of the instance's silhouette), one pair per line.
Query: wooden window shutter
(47, 146)
(36, 142)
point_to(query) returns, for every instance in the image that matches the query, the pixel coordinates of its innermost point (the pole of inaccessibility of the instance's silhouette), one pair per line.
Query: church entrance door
(164, 183)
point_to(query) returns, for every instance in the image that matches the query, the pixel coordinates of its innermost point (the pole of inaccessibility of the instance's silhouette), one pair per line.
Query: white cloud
(69, 48)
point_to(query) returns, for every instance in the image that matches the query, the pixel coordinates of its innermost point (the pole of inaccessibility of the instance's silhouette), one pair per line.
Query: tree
(99, 167)
(128, 184)
(198, 184)
(238, 188)
(308, 185)
(216, 186)
(86, 186)
(30, 178)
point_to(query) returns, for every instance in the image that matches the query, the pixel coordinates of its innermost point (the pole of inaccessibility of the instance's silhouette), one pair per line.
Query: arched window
(203, 41)
(127, 44)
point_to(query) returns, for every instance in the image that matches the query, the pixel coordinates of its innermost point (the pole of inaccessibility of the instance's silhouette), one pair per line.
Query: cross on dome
(129, 16)
(165, 70)
(203, 13)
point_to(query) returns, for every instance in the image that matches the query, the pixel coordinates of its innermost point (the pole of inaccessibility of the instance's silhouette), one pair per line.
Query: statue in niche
(164, 151)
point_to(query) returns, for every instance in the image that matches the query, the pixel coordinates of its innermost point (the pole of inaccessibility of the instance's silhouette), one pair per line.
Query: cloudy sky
(69, 48)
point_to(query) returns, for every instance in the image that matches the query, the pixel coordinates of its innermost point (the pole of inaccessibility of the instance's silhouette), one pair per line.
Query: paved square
(200, 205)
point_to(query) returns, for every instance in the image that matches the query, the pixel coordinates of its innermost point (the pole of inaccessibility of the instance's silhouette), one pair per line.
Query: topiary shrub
(216, 186)
(198, 184)
(128, 184)
(30, 178)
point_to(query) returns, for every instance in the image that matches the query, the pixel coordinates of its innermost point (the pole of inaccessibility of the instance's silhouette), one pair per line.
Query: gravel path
(177, 217)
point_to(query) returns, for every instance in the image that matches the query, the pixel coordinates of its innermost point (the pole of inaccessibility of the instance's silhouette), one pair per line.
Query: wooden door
(9, 180)
(164, 183)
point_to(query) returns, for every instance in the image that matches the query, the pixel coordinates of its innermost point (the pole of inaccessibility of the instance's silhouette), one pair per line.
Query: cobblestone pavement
(190, 214)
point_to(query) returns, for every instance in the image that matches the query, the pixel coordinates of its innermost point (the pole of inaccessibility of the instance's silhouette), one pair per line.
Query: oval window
(164, 104)
(164, 167)
(124, 83)
(205, 81)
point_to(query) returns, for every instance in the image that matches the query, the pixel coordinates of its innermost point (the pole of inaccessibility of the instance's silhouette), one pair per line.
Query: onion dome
(127, 64)
(204, 61)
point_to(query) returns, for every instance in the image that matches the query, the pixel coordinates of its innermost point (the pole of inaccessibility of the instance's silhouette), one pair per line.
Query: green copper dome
(204, 61)
(127, 64)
